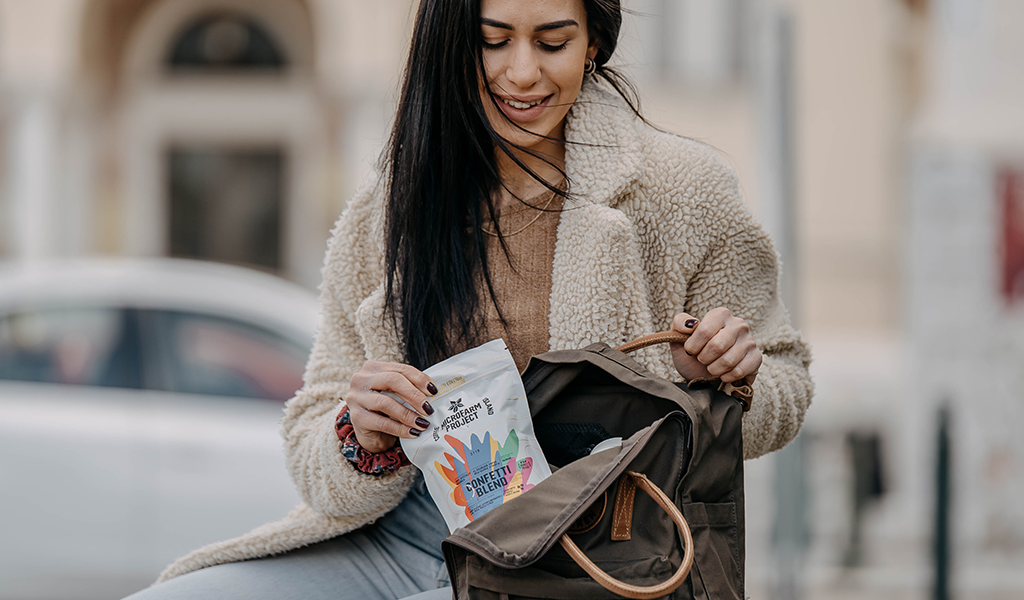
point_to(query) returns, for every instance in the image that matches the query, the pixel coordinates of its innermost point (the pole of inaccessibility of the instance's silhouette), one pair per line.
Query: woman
(523, 198)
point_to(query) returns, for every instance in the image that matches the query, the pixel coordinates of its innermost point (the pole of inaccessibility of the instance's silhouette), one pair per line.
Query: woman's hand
(378, 419)
(720, 347)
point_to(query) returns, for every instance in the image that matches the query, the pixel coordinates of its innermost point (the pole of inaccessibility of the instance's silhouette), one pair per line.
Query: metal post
(790, 531)
(942, 507)
(773, 60)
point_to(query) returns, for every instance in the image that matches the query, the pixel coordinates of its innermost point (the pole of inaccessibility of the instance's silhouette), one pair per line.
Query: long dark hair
(443, 173)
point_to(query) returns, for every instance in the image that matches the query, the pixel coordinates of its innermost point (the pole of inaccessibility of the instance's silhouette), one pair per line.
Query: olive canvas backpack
(586, 532)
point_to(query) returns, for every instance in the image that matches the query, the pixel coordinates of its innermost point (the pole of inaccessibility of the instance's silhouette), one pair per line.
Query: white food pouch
(480, 450)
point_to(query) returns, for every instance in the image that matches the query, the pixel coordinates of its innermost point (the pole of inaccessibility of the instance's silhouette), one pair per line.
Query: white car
(140, 404)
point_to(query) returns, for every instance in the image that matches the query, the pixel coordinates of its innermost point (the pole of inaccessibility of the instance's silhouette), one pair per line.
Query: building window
(223, 42)
(226, 205)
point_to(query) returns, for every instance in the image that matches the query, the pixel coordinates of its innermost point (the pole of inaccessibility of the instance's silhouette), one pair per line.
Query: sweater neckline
(536, 202)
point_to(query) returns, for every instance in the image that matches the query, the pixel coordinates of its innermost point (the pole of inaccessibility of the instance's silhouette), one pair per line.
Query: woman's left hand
(720, 347)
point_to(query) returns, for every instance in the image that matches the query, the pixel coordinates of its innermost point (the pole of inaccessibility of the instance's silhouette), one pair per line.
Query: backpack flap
(516, 544)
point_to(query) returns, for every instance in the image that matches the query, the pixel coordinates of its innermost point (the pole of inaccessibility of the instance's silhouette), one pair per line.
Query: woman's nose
(525, 68)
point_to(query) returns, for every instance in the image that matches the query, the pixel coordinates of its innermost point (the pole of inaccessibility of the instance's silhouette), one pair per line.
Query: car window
(206, 354)
(75, 346)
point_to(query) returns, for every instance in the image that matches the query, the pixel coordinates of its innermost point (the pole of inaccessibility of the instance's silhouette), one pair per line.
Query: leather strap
(622, 513)
(634, 591)
(662, 337)
(744, 393)
(740, 390)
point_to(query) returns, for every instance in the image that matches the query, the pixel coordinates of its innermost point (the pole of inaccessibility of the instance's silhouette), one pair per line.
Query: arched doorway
(225, 202)
(219, 134)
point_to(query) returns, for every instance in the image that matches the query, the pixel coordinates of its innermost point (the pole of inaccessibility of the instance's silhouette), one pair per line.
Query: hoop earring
(590, 67)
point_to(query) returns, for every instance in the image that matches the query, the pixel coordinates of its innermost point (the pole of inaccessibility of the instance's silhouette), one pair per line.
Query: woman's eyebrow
(556, 25)
(498, 24)
(544, 27)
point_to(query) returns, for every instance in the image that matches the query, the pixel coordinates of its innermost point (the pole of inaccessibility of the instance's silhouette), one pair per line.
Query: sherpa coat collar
(601, 163)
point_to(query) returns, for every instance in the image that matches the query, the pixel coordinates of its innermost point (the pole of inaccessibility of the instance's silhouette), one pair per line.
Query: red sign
(1010, 189)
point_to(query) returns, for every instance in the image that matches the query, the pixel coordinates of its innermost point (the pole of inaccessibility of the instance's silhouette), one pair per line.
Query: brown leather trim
(662, 337)
(744, 393)
(622, 514)
(593, 515)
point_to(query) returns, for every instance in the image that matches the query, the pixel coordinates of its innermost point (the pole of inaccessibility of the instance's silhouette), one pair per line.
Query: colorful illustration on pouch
(485, 474)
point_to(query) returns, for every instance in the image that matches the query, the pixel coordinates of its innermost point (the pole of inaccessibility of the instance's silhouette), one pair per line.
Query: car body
(140, 403)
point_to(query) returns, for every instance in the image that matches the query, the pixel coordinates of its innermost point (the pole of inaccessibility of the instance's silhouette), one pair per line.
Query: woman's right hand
(379, 419)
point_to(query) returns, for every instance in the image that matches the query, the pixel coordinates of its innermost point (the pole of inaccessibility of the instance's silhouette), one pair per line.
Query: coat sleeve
(326, 481)
(739, 269)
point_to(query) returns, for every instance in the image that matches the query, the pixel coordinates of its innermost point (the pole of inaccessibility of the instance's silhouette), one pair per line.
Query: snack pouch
(480, 450)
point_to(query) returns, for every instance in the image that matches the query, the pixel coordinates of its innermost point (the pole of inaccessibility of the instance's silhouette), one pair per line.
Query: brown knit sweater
(522, 286)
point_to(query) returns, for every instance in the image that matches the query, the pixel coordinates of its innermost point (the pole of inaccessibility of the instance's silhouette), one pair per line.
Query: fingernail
(427, 408)
(415, 432)
(432, 388)
(422, 423)
(690, 323)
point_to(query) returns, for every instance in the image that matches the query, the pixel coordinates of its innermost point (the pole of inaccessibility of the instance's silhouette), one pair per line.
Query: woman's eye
(554, 48)
(494, 45)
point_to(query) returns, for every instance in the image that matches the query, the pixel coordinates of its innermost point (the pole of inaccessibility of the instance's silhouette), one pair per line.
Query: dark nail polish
(415, 432)
(427, 408)
(690, 324)
(422, 423)
(432, 388)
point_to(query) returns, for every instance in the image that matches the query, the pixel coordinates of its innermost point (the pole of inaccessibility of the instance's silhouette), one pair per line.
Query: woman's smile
(523, 110)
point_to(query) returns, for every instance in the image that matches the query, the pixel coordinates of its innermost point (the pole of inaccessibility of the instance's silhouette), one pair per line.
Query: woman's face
(534, 53)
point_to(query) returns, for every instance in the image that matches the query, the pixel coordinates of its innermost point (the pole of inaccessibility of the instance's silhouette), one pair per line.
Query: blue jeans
(396, 557)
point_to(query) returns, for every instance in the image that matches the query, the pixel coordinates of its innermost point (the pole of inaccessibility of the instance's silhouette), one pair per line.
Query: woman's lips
(522, 114)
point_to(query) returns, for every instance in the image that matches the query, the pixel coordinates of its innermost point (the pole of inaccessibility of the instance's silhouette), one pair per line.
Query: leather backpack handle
(635, 591)
(662, 337)
(741, 390)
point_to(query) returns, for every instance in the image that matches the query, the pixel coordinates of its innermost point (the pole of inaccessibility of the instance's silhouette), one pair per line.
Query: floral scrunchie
(388, 461)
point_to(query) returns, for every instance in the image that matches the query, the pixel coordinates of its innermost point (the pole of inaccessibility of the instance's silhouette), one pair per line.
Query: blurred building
(812, 103)
(965, 284)
(881, 141)
(229, 130)
(890, 167)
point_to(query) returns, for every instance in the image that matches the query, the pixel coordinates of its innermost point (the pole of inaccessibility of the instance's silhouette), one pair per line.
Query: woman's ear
(595, 45)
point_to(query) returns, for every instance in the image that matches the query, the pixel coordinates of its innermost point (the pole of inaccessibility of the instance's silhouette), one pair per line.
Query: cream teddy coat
(658, 228)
